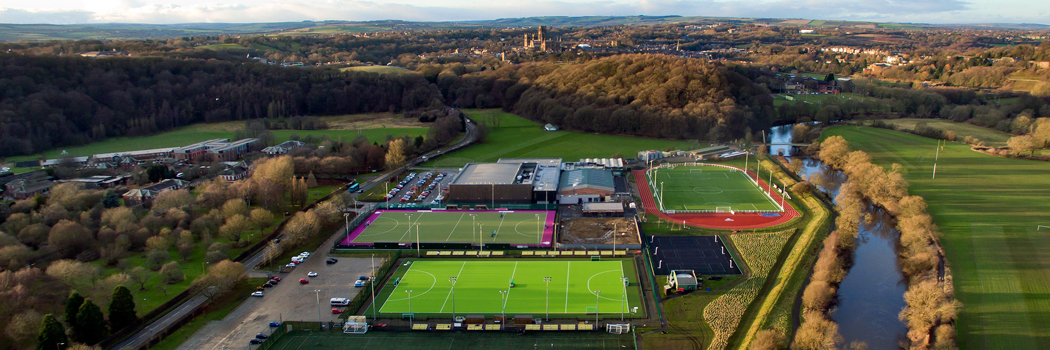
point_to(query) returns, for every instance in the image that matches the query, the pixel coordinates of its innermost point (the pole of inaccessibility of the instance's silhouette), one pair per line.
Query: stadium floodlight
(503, 297)
(481, 238)
(661, 196)
(317, 294)
(597, 294)
(453, 280)
(623, 305)
(473, 226)
(412, 317)
(372, 284)
(539, 233)
(548, 280)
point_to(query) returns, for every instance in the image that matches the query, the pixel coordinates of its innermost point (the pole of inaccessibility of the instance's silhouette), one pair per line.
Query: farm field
(578, 287)
(379, 340)
(707, 188)
(780, 99)
(989, 136)
(517, 137)
(989, 210)
(521, 227)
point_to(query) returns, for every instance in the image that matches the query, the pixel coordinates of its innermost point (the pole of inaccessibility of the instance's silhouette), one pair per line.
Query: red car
(336, 311)
(303, 281)
(278, 279)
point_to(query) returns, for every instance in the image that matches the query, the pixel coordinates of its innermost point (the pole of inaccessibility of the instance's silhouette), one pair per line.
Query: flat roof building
(507, 181)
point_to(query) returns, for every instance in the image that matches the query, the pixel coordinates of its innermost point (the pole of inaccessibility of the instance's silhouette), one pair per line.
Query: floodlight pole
(539, 234)
(503, 296)
(417, 241)
(411, 317)
(372, 284)
(623, 306)
(317, 294)
(661, 196)
(614, 239)
(481, 238)
(548, 280)
(453, 280)
(346, 221)
(597, 293)
(473, 226)
(386, 186)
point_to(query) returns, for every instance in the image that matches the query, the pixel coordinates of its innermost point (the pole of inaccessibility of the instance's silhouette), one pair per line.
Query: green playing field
(577, 287)
(515, 227)
(707, 188)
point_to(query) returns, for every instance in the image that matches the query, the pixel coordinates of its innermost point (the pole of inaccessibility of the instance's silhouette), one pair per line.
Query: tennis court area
(379, 340)
(525, 227)
(491, 287)
(707, 188)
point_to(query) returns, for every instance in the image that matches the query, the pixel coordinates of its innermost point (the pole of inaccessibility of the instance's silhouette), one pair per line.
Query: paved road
(289, 300)
(138, 340)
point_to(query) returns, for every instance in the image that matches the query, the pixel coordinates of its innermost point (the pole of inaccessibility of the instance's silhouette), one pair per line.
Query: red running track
(715, 220)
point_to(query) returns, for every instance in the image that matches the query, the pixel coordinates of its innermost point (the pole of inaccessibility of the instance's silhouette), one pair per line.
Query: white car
(305, 254)
(257, 293)
(311, 274)
(291, 265)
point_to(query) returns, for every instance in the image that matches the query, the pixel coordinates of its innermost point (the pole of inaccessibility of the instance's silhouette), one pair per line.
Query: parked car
(275, 324)
(255, 341)
(311, 274)
(257, 293)
(261, 336)
(303, 281)
(267, 285)
(290, 265)
(336, 311)
(275, 278)
(359, 283)
(331, 261)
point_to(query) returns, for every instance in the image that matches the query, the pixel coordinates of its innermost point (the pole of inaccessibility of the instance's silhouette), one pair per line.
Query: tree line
(931, 308)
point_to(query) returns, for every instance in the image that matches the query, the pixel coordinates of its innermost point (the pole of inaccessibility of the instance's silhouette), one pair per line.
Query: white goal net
(723, 209)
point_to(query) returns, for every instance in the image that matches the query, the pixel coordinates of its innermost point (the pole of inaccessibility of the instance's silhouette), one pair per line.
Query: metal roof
(587, 178)
(487, 174)
(603, 206)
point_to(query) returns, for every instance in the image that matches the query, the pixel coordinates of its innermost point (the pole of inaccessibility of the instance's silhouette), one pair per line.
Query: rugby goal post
(1040, 227)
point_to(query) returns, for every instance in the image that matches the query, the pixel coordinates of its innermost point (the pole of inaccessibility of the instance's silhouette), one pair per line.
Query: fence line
(658, 198)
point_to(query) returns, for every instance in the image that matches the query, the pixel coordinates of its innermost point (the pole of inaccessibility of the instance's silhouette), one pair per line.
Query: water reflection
(872, 294)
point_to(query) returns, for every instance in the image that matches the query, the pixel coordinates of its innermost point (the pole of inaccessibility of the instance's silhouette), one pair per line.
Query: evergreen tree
(52, 335)
(72, 306)
(311, 181)
(111, 199)
(90, 327)
(122, 309)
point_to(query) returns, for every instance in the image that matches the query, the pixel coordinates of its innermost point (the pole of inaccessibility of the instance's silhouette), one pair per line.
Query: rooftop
(487, 174)
(587, 178)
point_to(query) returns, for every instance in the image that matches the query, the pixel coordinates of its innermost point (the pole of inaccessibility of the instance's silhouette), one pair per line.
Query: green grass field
(707, 188)
(380, 69)
(379, 340)
(517, 137)
(202, 132)
(577, 287)
(989, 209)
(989, 136)
(519, 227)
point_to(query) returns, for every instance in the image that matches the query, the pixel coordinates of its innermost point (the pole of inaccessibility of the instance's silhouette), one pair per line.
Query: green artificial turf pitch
(708, 188)
(518, 227)
(576, 287)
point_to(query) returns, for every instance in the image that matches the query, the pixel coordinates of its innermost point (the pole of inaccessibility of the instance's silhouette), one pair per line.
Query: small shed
(683, 280)
(605, 209)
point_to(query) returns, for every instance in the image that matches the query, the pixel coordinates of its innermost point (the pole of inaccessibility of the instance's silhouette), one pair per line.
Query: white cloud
(242, 11)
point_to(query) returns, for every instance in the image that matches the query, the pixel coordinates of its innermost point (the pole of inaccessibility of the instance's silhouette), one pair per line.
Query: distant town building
(22, 186)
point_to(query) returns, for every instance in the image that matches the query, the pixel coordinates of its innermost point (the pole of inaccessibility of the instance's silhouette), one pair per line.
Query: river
(872, 294)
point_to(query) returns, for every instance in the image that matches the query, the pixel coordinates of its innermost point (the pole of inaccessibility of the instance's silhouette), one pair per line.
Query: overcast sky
(241, 11)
